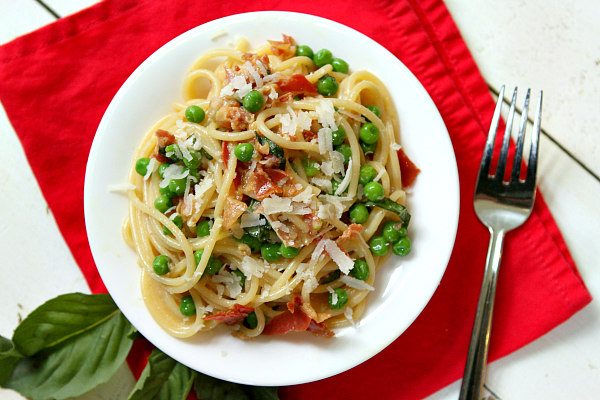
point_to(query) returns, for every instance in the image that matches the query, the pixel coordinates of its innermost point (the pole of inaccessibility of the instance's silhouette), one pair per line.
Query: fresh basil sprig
(64, 350)
(74, 342)
(163, 378)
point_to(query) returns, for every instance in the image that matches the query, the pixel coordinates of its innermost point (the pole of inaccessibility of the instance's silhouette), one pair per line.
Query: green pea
(304, 50)
(198, 256)
(375, 110)
(141, 166)
(346, 152)
(402, 247)
(177, 220)
(359, 213)
(253, 101)
(391, 231)
(187, 306)
(177, 186)
(251, 322)
(323, 57)
(338, 136)
(161, 264)
(374, 191)
(369, 133)
(339, 65)
(342, 299)
(253, 242)
(165, 191)
(403, 232)
(330, 277)
(367, 174)
(161, 170)
(360, 270)
(203, 228)
(270, 252)
(379, 246)
(172, 152)
(288, 251)
(311, 168)
(240, 275)
(194, 114)
(244, 152)
(214, 266)
(327, 86)
(368, 148)
(162, 203)
(193, 163)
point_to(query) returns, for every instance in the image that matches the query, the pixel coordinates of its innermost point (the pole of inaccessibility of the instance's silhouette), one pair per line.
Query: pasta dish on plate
(268, 199)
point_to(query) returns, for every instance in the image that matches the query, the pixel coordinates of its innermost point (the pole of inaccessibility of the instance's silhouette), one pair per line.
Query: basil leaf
(392, 206)
(9, 357)
(76, 365)
(209, 388)
(163, 378)
(179, 384)
(61, 318)
(262, 393)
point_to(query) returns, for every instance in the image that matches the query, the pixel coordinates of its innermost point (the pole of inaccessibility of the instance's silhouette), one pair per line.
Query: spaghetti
(268, 199)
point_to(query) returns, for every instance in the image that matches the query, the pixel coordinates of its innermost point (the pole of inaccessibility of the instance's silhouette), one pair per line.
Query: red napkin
(57, 82)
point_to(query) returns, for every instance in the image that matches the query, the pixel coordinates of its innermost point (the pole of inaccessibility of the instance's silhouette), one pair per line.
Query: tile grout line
(48, 8)
(496, 397)
(549, 137)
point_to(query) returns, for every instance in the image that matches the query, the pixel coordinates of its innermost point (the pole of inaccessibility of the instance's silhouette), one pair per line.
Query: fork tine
(535, 139)
(484, 169)
(519, 151)
(499, 175)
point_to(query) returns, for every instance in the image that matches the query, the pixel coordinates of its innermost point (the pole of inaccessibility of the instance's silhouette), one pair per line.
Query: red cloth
(57, 82)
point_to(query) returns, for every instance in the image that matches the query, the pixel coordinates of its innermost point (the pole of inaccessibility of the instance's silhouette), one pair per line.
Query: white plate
(403, 286)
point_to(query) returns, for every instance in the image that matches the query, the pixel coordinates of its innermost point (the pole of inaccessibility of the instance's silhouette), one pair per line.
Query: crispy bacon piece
(408, 169)
(284, 49)
(160, 158)
(353, 229)
(233, 210)
(294, 319)
(295, 84)
(232, 316)
(309, 135)
(319, 329)
(228, 114)
(262, 183)
(164, 138)
(224, 152)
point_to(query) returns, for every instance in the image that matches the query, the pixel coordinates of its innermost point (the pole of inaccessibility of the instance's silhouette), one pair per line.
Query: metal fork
(501, 206)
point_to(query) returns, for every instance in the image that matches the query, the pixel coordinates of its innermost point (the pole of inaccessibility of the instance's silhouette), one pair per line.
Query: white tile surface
(66, 7)
(553, 45)
(18, 17)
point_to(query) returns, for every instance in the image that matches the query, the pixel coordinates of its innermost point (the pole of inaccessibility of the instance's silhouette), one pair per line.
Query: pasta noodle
(268, 199)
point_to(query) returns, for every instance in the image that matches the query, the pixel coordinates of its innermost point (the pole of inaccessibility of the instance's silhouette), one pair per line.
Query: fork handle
(475, 369)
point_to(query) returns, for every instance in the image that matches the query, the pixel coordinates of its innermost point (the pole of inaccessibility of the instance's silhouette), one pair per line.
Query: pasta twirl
(268, 199)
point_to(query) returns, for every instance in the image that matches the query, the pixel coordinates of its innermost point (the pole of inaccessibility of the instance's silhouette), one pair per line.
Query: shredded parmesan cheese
(346, 181)
(250, 219)
(342, 260)
(276, 204)
(326, 114)
(325, 140)
(396, 146)
(356, 283)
